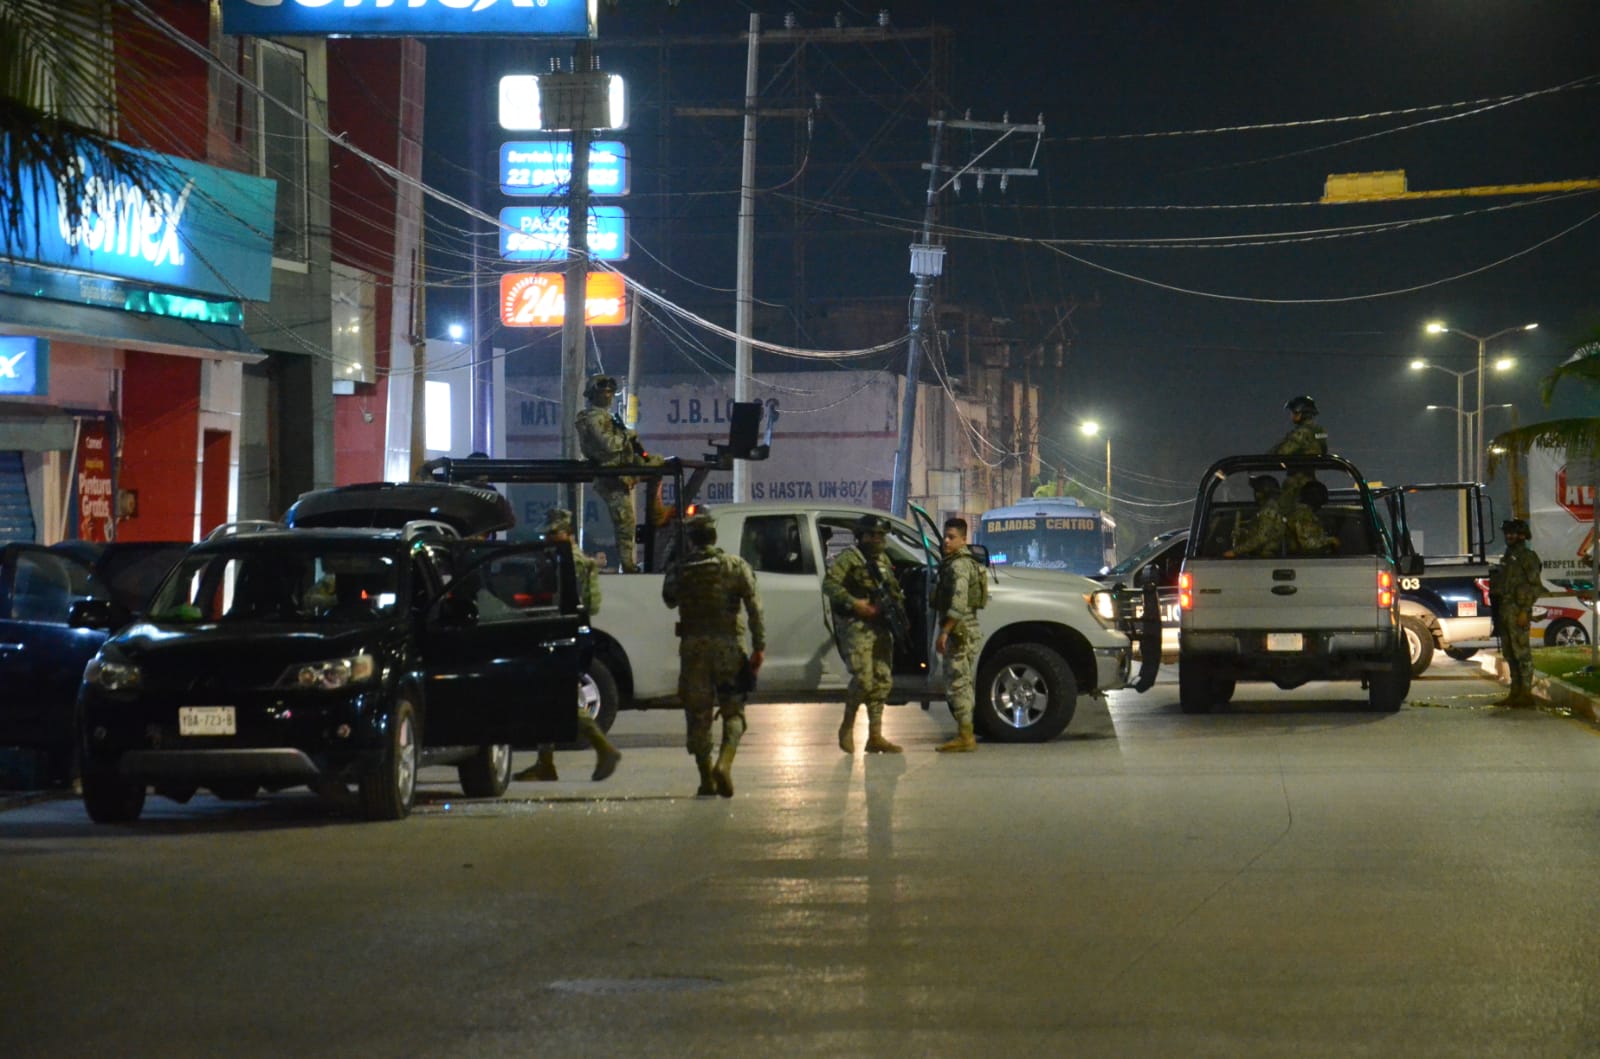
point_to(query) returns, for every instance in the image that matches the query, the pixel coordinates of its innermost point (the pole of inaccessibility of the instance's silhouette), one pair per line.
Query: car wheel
(1025, 693)
(1199, 685)
(236, 790)
(600, 696)
(1387, 688)
(1564, 632)
(110, 799)
(1460, 654)
(487, 773)
(1419, 643)
(388, 791)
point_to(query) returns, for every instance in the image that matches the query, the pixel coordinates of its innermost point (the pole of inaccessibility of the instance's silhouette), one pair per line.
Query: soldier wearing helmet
(859, 587)
(558, 530)
(1514, 586)
(606, 441)
(1306, 437)
(714, 675)
(1264, 534)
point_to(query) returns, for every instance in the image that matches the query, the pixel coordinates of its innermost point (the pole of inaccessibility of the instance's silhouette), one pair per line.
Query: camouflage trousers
(707, 668)
(960, 662)
(1514, 648)
(617, 495)
(868, 652)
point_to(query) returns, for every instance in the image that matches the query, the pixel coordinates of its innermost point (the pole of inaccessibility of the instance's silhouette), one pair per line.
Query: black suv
(329, 657)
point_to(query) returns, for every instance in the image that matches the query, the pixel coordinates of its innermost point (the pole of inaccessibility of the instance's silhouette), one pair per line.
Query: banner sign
(24, 366)
(539, 233)
(96, 521)
(539, 299)
(410, 18)
(544, 167)
(192, 227)
(1561, 497)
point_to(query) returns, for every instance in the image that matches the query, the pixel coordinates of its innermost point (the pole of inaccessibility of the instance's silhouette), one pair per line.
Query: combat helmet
(1264, 484)
(1301, 403)
(598, 383)
(1516, 525)
(701, 526)
(558, 520)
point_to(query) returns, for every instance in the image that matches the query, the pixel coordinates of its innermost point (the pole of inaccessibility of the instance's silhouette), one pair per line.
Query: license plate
(1285, 641)
(206, 720)
(1466, 609)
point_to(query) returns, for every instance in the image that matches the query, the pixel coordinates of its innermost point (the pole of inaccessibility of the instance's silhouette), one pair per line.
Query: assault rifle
(891, 611)
(633, 438)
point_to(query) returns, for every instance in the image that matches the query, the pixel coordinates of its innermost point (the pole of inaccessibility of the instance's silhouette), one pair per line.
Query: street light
(1089, 428)
(1437, 328)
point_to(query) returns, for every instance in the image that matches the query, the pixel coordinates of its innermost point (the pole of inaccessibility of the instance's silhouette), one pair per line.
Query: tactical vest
(705, 606)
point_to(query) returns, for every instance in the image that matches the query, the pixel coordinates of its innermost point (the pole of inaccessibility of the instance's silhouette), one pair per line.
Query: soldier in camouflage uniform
(606, 441)
(1514, 585)
(558, 529)
(1264, 534)
(1307, 535)
(1305, 438)
(707, 589)
(958, 637)
(862, 634)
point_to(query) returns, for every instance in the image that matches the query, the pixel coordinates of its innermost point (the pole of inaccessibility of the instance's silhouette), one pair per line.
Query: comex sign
(539, 18)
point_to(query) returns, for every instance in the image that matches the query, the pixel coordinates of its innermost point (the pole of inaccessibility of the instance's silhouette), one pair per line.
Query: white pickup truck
(1048, 637)
(1296, 613)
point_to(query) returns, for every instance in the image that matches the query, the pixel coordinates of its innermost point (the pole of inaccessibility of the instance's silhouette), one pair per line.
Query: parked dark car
(281, 657)
(41, 655)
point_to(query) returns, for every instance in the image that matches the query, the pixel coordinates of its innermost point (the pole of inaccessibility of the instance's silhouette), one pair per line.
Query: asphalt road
(1294, 876)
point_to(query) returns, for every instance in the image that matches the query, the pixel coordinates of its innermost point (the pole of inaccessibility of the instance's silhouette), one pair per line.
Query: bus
(1049, 533)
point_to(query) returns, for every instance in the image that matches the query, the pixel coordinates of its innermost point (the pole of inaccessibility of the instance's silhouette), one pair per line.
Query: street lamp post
(1089, 428)
(1437, 327)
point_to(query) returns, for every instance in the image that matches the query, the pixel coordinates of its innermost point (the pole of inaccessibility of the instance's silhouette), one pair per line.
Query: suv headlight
(112, 676)
(332, 674)
(1104, 605)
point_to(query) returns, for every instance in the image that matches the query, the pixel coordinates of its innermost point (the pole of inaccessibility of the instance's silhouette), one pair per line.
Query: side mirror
(97, 614)
(1410, 565)
(979, 552)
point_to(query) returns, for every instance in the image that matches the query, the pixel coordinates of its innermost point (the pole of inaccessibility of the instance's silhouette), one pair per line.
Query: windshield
(333, 582)
(1138, 558)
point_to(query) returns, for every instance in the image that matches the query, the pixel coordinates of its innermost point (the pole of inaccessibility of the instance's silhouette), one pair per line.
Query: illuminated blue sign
(24, 366)
(410, 18)
(539, 233)
(544, 167)
(180, 226)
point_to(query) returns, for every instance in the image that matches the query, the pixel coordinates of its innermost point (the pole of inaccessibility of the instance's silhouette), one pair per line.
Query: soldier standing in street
(605, 441)
(858, 578)
(558, 529)
(1514, 585)
(714, 676)
(962, 591)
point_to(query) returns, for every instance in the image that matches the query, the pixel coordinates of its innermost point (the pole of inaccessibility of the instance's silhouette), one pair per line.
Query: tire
(387, 792)
(1460, 654)
(1199, 686)
(236, 790)
(1025, 693)
(1419, 643)
(487, 773)
(600, 695)
(1386, 689)
(110, 799)
(1564, 632)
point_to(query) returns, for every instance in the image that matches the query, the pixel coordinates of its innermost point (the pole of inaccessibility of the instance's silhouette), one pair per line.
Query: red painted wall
(161, 436)
(162, 88)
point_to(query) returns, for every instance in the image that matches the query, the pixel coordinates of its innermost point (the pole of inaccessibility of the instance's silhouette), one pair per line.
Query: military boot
(708, 786)
(542, 770)
(847, 731)
(964, 742)
(877, 744)
(606, 757)
(722, 771)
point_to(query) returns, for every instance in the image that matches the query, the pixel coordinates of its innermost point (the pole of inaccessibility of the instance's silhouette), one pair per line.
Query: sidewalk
(1552, 690)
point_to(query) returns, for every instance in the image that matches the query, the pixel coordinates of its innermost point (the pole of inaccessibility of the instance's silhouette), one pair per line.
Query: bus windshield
(1049, 535)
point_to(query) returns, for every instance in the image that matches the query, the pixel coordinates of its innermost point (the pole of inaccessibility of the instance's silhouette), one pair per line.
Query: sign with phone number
(544, 167)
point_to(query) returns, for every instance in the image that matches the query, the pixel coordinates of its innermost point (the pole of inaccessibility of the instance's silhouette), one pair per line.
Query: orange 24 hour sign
(538, 299)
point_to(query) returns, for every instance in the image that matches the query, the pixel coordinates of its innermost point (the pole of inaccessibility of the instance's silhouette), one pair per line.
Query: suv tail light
(1186, 590)
(1385, 589)
(1483, 588)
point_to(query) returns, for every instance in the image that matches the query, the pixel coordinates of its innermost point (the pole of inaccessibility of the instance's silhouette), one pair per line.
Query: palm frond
(1562, 435)
(1582, 366)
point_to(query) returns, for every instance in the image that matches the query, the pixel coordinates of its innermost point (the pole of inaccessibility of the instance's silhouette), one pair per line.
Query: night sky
(1185, 352)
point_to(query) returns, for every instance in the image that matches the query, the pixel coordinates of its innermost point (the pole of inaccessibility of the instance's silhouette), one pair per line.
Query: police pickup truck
(1048, 636)
(1292, 615)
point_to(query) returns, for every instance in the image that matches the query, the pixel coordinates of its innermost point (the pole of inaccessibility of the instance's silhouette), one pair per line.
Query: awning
(92, 325)
(35, 427)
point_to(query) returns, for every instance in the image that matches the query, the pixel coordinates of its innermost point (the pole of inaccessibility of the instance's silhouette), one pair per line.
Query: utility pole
(419, 365)
(927, 263)
(574, 325)
(744, 312)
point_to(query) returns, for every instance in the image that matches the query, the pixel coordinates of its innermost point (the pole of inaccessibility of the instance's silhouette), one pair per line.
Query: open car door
(503, 647)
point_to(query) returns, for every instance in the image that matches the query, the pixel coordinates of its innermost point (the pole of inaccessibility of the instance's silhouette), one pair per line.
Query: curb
(1553, 690)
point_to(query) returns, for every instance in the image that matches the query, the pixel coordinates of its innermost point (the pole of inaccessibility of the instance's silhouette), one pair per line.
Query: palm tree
(57, 107)
(1575, 435)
